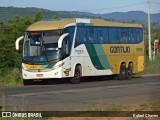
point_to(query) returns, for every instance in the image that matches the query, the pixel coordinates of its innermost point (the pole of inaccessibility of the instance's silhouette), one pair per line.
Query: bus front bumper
(42, 75)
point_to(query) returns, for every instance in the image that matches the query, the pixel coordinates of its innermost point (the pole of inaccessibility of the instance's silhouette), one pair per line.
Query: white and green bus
(75, 48)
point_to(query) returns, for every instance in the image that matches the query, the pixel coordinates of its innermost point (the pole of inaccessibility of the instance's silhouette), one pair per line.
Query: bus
(76, 48)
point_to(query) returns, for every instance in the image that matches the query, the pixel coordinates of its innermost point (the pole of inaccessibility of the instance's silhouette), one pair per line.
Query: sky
(93, 6)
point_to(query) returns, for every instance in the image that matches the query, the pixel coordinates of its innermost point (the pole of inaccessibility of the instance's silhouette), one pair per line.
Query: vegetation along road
(86, 95)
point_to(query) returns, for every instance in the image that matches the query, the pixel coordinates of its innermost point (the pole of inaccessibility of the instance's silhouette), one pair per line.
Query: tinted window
(139, 35)
(69, 38)
(102, 35)
(118, 35)
(132, 35)
(124, 36)
(112, 35)
(81, 36)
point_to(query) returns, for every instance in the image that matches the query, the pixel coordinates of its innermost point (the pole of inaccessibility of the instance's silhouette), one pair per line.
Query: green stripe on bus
(102, 56)
(97, 56)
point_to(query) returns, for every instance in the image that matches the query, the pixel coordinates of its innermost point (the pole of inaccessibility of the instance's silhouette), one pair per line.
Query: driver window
(65, 51)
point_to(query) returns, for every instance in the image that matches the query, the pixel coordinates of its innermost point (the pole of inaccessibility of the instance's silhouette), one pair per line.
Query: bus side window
(84, 34)
(100, 36)
(106, 35)
(112, 36)
(141, 35)
(81, 36)
(91, 35)
(71, 31)
(138, 36)
(124, 37)
(67, 50)
(77, 40)
(118, 35)
(131, 35)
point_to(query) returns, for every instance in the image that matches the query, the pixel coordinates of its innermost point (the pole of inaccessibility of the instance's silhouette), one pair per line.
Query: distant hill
(132, 16)
(7, 13)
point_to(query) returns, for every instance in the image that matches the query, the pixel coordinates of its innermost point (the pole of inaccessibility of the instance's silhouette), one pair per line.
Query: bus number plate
(39, 75)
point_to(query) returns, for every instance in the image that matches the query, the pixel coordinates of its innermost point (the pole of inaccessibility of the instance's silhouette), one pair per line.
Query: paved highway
(63, 96)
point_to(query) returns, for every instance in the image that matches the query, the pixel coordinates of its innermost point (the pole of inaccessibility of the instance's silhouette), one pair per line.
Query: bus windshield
(41, 47)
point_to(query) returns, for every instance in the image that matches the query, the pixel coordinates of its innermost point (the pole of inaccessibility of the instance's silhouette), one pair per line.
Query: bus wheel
(27, 82)
(123, 72)
(77, 75)
(130, 71)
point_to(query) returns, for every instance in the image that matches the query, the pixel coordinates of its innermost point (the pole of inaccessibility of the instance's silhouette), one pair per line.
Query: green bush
(10, 77)
(153, 66)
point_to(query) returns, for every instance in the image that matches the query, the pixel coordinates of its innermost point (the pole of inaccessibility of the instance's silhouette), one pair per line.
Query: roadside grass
(10, 77)
(21, 107)
(155, 106)
(152, 67)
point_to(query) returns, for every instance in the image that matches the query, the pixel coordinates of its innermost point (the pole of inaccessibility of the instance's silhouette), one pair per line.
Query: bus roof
(60, 24)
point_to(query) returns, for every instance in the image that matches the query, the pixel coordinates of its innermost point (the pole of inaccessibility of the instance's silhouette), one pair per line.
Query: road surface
(63, 96)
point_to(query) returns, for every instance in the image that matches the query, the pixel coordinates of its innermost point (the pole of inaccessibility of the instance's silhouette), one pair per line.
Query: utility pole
(149, 33)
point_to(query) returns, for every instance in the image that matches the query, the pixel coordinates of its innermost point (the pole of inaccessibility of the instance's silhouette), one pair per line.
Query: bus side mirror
(17, 42)
(60, 41)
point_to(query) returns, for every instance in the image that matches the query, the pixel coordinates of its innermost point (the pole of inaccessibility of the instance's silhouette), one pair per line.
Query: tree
(55, 17)
(39, 16)
(9, 32)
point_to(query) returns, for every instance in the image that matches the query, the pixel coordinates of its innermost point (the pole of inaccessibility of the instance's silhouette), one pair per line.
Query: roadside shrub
(10, 77)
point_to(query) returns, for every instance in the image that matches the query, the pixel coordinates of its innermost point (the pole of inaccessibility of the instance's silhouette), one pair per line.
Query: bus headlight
(24, 68)
(58, 66)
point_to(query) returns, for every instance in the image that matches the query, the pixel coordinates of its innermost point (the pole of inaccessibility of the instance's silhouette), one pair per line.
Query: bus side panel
(140, 66)
(116, 56)
(92, 65)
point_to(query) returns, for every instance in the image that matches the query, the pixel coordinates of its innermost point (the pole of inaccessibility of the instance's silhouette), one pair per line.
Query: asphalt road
(63, 96)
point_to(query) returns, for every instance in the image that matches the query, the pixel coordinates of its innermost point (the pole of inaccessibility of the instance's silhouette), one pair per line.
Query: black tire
(27, 82)
(123, 72)
(43, 82)
(130, 71)
(77, 75)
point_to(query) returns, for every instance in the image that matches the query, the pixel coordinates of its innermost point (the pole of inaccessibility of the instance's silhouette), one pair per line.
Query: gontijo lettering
(120, 49)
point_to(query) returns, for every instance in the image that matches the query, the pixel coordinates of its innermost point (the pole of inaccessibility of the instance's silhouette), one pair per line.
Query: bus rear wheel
(123, 72)
(77, 75)
(130, 71)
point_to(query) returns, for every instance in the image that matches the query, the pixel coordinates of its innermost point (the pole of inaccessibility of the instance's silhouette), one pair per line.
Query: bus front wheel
(77, 75)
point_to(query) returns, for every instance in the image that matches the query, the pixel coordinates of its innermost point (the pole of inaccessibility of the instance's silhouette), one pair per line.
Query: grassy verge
(10, 77)
(152, 67)
(21, 107)
(155, 106)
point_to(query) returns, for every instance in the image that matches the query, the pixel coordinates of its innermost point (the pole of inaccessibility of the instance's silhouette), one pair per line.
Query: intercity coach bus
(75, 48)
